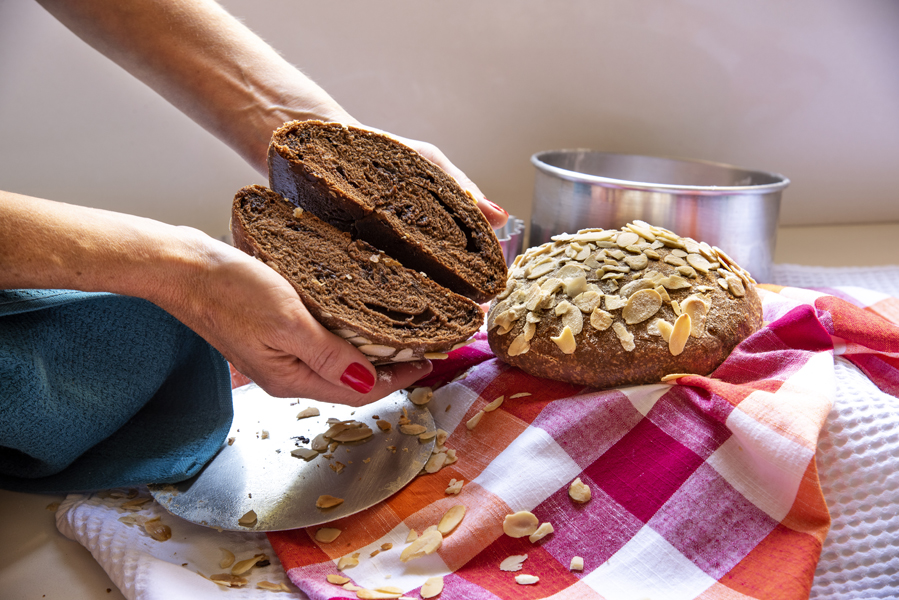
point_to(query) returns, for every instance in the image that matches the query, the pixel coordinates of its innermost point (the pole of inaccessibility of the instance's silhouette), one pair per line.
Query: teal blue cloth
(99, 390)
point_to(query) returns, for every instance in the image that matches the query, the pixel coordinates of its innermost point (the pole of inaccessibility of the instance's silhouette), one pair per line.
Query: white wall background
(808, 88)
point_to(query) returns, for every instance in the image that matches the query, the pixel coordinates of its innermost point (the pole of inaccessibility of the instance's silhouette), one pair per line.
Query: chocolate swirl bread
(609, 308)
(385, 193)
(391, 313)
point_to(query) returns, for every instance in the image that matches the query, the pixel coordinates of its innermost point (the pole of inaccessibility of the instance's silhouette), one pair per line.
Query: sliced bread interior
(387, 194)
(392, 313)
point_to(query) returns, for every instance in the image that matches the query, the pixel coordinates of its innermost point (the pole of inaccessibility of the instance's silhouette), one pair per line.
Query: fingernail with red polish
(357, 377)
(496, 206)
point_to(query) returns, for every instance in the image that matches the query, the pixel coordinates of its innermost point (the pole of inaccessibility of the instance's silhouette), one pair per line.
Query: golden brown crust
(604, 355)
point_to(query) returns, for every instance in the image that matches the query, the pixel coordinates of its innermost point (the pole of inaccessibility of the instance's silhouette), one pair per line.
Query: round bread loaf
(609, 308)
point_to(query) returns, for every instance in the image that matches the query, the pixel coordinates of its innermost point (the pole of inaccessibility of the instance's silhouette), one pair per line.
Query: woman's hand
(254, 317)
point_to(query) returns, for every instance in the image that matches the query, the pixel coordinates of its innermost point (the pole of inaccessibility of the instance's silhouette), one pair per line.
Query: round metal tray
(257, 472)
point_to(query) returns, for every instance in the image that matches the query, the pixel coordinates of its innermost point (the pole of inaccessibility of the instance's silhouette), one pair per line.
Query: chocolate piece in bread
(390, 196)
(391, 313)
(608, 308)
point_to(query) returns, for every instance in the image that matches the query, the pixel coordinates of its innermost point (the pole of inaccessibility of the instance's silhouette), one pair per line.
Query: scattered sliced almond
(270, 587)
(383, 425)
(577, 564)
(427, 435)
(544, 530)
(435, 462)
(665, 328)
(427, 543)
(679, 334)
(326, 501)
(491, 406)
(697, 307)
(526, 579)
(326, 535)
(412, 429)
(451, 519)
(304, 453)
(520, 345)
(337, 579)
(736, 286)
(421, 396)
(614, 302)
(473, 422)
(354, 434)
(519, 395)
(675, 376)
(377, 594)
(627, 238)
(243, 566)
(513, 563)
(411, 536)
(347, 562)
(228, 580)
(308, 412)
(520, 524)
(227, 559)
(158, 530)
(579, 491)
(432, 587)
(248, 519)
(455, 486)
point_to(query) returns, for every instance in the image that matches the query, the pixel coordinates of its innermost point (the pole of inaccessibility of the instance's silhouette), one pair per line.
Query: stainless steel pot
(726, 206)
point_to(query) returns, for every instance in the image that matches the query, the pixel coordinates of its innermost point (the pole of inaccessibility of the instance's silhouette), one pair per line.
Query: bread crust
(600, 358)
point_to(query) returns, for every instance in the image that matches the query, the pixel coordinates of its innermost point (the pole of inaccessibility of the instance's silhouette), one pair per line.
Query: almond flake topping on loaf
(596, 280)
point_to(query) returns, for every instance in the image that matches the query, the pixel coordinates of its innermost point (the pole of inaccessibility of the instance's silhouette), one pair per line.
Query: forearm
(46, 244)
(206, 63)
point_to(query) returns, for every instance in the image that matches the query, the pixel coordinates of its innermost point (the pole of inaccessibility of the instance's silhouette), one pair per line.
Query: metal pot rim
(578, 177)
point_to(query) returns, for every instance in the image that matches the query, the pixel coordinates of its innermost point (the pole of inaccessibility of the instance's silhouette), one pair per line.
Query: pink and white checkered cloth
(703, 488)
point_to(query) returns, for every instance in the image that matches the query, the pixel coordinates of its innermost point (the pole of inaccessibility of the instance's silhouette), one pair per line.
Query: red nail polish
(357, 377)
(496, 206)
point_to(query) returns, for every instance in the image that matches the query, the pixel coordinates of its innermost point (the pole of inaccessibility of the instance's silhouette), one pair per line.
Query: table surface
(36, 561)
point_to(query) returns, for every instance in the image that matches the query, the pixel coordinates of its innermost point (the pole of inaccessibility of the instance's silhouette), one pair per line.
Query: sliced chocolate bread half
(391, 313)
(387, 194)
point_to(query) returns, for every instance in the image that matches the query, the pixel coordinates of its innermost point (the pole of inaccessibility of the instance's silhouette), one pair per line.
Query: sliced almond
(637, 261)
(451, 519)
(227, 559)
(455, 486)
(544, 530)
(624, 336)
(355, 434)
(614, 302)
(228, 580)
(571, 316)
(675, 376)
(473, 422)
(629, 289)
(520, 524)
(412, 429)
(627, 238)
(575, 285)
(736, 286)
(378, 350)
(411, 536)
(492, 406)
(526, 579)
(432, 587)
(673, 260)
(577, 564)
(337, 579)
(347, 562)
(243, 566)
(641, 306)
(304, 453)
(663, 293)
(308, 412)
(427, 543)
(519, 395)
(319, 443)
(326, 535)
(565, 341)
(327, 501)
(600, 319)
(665, 328)
(436, 355)
(435, 462)
(421, 396)
(679, 334)
(579, 491)
(520, 345)
(674, 282)
(513, 563)
(248, 519)
(404, 355)
(588, 301)
(697, 307)
(383, 425)
(427, 435)
(699, 263)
